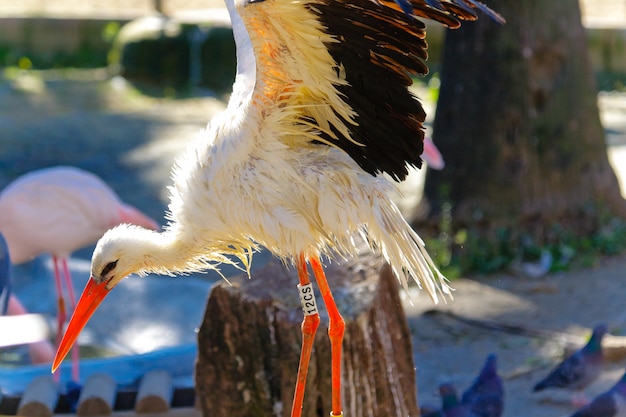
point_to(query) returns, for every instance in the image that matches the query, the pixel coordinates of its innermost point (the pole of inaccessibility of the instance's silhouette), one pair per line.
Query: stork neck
(169, 252)
(246, 63)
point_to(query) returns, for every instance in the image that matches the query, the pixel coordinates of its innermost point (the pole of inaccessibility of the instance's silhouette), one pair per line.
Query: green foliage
(110, 31)
(90, 53)
(441, 248)
(173, 63)
(434, 83)
(24, 63)
(473, 250)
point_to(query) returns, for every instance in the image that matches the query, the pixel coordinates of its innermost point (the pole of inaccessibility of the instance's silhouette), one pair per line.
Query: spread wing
(337, 72)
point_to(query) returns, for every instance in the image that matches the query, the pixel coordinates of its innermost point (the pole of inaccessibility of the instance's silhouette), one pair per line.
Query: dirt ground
(447, 350)
(84, 119)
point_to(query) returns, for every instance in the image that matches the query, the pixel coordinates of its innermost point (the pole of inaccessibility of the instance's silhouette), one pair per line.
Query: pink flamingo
(57, 211)
(431, 155)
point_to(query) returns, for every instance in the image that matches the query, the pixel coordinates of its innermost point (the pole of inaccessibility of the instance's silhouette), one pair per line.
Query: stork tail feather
(406, 252)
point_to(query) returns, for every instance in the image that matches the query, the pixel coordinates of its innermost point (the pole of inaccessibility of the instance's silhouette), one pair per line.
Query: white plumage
(320, 107)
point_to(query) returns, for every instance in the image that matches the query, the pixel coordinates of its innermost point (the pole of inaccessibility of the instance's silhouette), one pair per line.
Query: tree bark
(518, 124)
(249, 346)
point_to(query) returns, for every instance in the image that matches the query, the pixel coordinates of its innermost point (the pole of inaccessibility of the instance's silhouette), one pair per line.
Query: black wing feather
(380, 47)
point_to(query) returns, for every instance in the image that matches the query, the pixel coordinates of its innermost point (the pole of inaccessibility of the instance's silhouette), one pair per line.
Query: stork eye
(108, 268)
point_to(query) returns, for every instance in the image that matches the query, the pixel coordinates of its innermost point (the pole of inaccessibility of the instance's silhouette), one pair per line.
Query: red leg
(70, 290)
(61, 312)
(336, 327)
(309, 328)
(68, 283)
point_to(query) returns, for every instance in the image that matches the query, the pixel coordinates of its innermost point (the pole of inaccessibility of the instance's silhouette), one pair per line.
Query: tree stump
(249, 345)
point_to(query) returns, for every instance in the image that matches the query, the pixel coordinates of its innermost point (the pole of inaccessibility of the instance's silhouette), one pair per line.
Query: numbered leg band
(307, 299)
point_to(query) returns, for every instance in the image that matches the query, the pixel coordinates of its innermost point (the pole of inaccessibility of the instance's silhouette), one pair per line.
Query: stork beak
(92, 296)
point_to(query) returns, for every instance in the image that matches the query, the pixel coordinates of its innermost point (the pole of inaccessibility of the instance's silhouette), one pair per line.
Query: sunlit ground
(84, 118)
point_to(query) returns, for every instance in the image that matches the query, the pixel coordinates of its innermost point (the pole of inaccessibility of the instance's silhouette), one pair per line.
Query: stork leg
(70, 291)
(309, 328)
(336, 327)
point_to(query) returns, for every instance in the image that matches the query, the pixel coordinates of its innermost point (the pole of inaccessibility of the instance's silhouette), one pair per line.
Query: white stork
(320, 108)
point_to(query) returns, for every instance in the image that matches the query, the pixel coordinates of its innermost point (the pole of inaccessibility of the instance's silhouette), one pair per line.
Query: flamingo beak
(92, 296)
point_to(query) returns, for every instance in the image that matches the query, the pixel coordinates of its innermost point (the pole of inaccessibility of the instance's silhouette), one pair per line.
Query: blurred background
(118, 88)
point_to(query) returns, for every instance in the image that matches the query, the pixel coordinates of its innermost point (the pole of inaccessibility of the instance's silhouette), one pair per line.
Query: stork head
(118, 254)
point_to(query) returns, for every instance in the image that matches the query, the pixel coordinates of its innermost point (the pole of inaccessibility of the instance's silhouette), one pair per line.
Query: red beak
(92, 296)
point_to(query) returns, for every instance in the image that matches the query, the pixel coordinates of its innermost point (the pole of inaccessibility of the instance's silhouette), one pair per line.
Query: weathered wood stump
(249, 345)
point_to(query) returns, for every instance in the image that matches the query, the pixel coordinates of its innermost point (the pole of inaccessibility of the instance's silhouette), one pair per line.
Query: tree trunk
(249, 346)
(518, 125)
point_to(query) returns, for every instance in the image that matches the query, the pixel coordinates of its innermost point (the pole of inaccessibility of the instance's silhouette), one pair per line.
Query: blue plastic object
(5, 275)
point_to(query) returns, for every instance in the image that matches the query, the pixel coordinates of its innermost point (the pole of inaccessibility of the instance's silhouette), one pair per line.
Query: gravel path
(83, 119)
(447, 350)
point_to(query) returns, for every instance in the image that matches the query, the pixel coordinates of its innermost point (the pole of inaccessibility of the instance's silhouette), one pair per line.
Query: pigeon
(450, 404)
(611, 403)
(578, 370)
(486, 395)
(431, 411)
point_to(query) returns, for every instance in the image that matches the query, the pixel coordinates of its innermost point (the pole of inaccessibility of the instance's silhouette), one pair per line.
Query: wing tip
(457, 9)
